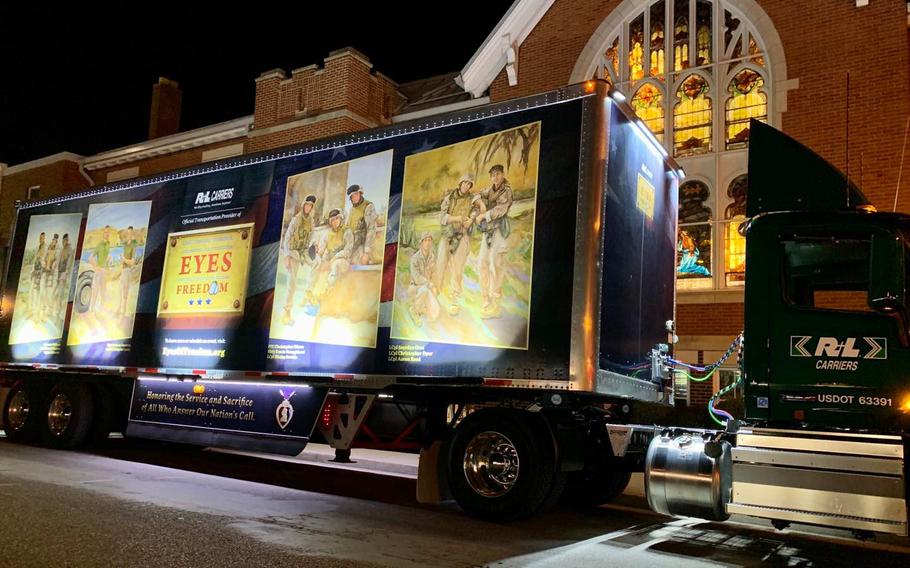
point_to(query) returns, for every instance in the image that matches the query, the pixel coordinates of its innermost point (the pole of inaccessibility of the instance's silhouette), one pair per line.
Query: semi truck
(504, 278)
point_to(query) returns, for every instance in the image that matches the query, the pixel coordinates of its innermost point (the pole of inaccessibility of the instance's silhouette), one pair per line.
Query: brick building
(694, 70)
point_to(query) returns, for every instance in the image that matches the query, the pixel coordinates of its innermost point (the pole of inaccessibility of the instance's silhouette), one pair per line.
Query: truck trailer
(503, 277)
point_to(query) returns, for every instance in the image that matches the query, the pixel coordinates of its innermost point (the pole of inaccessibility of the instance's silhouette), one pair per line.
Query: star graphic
(427, 145)
(191, 301)
(340, 151)
(208, 300)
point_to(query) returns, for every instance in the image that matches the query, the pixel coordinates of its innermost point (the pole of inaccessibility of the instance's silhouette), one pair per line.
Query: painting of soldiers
(480, 290)
(457, 213)
(46, 271)
(332, 246)
(109, 273)
(298, 250)
(422, 291)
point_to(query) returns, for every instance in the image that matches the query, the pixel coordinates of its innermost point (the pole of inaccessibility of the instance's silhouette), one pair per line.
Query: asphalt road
(192, 508)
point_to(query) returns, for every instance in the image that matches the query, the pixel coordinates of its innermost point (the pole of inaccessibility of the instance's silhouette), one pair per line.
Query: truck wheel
(22, 413)
(593, 489)
(68, 419)
(83, 296)
(502, 464)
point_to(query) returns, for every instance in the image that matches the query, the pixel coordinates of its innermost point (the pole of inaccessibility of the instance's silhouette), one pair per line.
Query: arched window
(693, 242)
(692, 117)
(696, 72)
(710, 80)
(734, 240)
(649, 106)
(746, 100)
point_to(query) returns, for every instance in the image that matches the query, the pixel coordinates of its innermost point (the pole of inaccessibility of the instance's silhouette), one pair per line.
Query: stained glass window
(734, 241)
(692, 117)
(746, 101)
(656, 46)
(612, 55)
(703, 34)
(648, 103)
(693, 242)
(636, 48)
(680, 35)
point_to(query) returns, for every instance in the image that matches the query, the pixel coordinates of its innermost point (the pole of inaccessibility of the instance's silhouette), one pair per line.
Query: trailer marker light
(589, 86)
(198, 388)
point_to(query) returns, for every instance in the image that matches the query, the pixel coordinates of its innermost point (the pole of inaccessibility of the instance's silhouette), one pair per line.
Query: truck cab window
(827, 274)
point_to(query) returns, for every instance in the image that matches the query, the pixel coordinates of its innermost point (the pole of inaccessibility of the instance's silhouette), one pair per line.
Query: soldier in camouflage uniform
(34, 295)
(50, 277)
(493, 221)
(361, 223)
(296, 246)
(454, 246)
(422, 289)
(339, 248)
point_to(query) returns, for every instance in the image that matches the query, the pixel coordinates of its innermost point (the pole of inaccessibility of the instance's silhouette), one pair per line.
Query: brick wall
(55, 179)
(343, 96)
(724, 319)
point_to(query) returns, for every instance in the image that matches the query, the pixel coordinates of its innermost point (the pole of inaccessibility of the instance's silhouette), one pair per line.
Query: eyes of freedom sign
(205, 271)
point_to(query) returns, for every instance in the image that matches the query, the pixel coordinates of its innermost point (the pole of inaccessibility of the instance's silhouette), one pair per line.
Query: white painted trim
(229, 130)
(45, 161)
(343, 113)
(223, 152)
(486, 63)
(460, 105)
(120, 175)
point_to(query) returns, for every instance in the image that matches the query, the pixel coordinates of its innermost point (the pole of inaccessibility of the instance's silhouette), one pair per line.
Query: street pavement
(146, 504)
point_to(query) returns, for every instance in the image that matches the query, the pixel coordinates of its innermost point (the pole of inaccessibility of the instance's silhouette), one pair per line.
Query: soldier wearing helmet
(361, 222)
(456, 220)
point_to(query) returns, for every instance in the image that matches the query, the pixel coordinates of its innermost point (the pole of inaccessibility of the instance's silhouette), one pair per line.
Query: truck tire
(593, 489)
(68, 417)
(502, 464)
(22, 413)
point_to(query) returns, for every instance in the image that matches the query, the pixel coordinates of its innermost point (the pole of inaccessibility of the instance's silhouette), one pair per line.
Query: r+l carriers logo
(838, 354)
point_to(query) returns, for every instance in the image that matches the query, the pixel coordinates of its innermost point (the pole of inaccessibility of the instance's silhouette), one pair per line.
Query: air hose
(713, 412)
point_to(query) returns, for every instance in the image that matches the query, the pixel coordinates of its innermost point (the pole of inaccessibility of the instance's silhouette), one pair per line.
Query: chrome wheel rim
(491, 464)
(59, 414)
(17, 412)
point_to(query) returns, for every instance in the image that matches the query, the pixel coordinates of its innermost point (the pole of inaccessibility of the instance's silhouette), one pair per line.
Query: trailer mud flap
(245, 416)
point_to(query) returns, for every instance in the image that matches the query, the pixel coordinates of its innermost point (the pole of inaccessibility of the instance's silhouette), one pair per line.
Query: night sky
(79, 79)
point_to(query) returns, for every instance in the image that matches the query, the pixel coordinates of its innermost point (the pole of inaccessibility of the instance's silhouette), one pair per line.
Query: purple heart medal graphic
(285, 410)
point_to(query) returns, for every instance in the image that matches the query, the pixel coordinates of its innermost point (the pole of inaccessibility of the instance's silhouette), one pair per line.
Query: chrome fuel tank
(682, 479)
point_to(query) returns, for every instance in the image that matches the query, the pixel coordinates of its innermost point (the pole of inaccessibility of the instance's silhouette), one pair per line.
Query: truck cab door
(837, 336)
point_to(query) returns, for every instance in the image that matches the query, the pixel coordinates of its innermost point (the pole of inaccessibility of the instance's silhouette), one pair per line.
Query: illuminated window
(746, 101)
(692, 117)
(656, 44)
(649, 106)
(696, 72)
(693, 241)
(734, 241)
(636, 48)
(680, 35)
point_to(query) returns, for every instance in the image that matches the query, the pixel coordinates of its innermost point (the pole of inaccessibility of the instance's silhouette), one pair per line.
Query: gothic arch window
(711, 60)
(696, 72)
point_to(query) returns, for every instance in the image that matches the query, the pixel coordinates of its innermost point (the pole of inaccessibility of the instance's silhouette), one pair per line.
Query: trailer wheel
(502, 464)
(22, 413)
(594, 489)
(69, 413)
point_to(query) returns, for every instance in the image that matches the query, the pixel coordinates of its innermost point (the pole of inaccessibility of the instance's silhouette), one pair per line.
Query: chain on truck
(493, 288)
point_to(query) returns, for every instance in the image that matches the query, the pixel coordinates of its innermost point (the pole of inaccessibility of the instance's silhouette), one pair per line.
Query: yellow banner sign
(205, 271)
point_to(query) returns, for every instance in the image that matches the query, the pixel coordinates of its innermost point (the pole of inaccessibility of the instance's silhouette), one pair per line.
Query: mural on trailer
(45, 280)
(107, 284)
(333, 234)
(466, 241)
